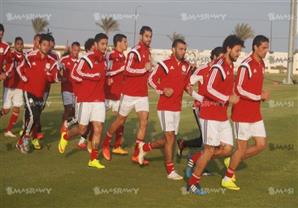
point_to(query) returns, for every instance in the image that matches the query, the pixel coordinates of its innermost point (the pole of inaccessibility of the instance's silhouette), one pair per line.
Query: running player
(246, 114)
(116, 66)
(216, 129)
(135, 89)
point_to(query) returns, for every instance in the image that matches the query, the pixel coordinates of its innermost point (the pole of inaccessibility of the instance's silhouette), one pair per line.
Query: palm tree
(108, 25)
(175, 36)
(244, 31)
(39, 24)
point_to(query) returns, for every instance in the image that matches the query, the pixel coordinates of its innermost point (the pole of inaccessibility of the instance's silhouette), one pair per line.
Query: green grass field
(47, 179)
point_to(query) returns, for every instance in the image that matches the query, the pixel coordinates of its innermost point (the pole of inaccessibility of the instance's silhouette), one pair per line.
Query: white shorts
(169, 120)
(112, 104)
(127, 103)
(244, 131)
(215, 133)
(12, 98)
(68, 98)
(91, 111)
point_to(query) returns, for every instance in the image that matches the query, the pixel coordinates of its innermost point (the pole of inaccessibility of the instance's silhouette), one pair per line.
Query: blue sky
(203, 23)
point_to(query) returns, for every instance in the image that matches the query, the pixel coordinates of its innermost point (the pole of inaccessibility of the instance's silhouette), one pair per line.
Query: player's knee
(121, 120)
(262, 145)
(82, 129)
(5, 111)
(227, 150)
(209, 149)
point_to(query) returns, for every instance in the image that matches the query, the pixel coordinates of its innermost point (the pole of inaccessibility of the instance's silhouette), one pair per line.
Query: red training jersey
(135, 74)
(115, 69)
(219, 87)
(170, 74)
(249, 85)
(91, 70)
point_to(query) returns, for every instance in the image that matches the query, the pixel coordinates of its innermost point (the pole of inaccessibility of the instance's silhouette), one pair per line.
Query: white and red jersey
(75, 78)
(202, 71)
(115, 69)
(36, 72)
(135, 74)
(4, 48)
(249, 85)
(66, 82)
(91, 69)
(54, 55)
(12, 60)
(170, 74)
(219, 87)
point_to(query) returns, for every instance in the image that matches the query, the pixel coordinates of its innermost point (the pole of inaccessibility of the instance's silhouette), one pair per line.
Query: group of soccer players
(100, 80)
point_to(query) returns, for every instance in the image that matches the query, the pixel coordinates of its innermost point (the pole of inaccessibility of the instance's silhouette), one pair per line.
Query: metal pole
(135, 26)
(292, 33)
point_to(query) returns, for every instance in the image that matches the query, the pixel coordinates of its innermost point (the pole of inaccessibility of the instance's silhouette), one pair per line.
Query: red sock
(119, 136)
(20, 141)
(94, 154)
(147, 147)
(170, 167)
(194, 179)
(195, 157)
(136, 151)
(107, 140)
(65, 136)
(12, 121)
(230, 172)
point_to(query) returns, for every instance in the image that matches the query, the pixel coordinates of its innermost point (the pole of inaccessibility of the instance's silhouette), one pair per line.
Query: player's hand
(2, 76)
(148, 66)
(168, 92)
(193, 67)
(265, 95)
(189, 89)
(233, 99)
(110, 81)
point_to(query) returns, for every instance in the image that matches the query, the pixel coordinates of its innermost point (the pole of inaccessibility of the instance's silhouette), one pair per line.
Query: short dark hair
(98, 37)
(258, 40)
(144, 29)
(231, 41)
(18, 39)
(36, 36)
(51, 38)
(89, 43)
(176, 41)
(118, 38)
(76, 43)
(216, 52)
(44, 37)
(1, 27)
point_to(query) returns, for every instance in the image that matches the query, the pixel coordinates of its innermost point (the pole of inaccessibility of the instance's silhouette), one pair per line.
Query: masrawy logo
(26, 16)
(206, 189)
(281, 191)
(114, 190)
(202, 16)
(27, 191)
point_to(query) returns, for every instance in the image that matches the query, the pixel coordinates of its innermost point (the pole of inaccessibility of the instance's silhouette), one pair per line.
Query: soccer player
(116, 66)
(90, 97)
(216, 129)
(165, 82)
(13, 94)
(4, 48)
(67, 62)
(36, 40)
(202, 72)
(135, 89)
(89, 46)
(246, 114)
(36, 71)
